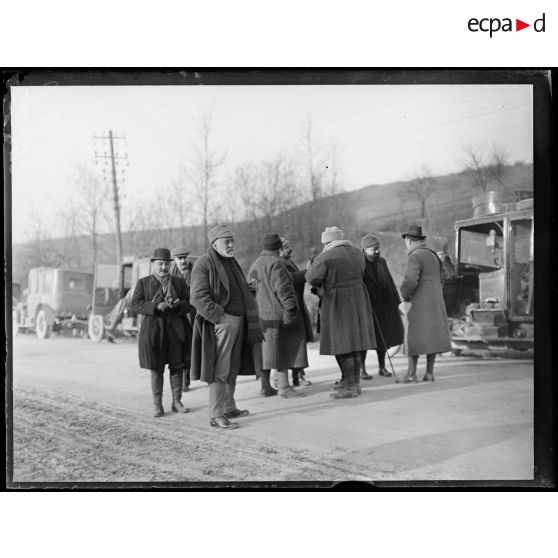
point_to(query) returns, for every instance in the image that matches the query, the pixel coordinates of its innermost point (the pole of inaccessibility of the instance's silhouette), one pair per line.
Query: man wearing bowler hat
(163, 301)
(181, 268)
(427, 331)
(227, 332)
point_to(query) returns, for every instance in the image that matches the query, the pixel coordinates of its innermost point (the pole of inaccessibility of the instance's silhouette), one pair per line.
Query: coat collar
(421, 245)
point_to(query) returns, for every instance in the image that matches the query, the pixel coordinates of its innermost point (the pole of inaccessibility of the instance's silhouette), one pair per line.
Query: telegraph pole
(115, 193)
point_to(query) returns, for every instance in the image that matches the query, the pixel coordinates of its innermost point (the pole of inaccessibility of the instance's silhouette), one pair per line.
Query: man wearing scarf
(346, 323)
(162, 339)
(181, 268)
(385, 301)
(227, 332)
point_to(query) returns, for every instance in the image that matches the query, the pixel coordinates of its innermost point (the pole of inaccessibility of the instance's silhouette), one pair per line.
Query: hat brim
(162, 259)
(405, 235)
(180, 254)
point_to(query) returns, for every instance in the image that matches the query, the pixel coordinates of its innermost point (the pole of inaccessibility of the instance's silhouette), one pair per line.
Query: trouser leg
(176, 386)
(361, 372)
(266, 389)
(381, 359)
(357, 363)
(340, 383)
(185, 379)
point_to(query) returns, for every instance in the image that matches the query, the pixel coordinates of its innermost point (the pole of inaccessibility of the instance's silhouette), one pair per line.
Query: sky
(383, 133)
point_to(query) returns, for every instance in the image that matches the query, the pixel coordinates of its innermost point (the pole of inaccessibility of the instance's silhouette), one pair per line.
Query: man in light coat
(346, 322)
(227, 331)
(427, 331)
(284, 346)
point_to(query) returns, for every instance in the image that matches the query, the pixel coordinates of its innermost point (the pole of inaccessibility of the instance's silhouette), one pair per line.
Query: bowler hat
(180, 251)
(161, 254)
(272, 241)
(414, 230)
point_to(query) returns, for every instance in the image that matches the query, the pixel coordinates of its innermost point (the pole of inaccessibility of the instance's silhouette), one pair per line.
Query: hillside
(378, 208)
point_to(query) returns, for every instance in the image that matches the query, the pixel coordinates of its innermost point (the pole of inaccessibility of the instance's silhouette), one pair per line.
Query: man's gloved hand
(162, 306)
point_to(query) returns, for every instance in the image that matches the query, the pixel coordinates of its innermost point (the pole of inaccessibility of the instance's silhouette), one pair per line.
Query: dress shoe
(410, 378)
(290, 392)
(177, 407)
(222, 422)
(365, 376)
(428, 377)
(345, 393)
(268, 391)
(237, 413)
(384, 372)
(186, 388)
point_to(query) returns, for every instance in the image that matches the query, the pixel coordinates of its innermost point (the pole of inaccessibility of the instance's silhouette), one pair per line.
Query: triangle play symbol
(519, 25)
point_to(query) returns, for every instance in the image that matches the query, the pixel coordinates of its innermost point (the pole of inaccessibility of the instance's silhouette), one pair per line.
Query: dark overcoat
(346, 323)
(186, 278)
(427, 330)
(385, 303)
(299, 278)
(285, 338)
(151, 334)
(209, 294)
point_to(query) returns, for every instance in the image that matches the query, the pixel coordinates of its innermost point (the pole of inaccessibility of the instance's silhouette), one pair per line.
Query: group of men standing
(208, 322)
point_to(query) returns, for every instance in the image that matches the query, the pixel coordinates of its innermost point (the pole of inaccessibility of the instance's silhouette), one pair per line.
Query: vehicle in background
(56, 299)
(495, 267)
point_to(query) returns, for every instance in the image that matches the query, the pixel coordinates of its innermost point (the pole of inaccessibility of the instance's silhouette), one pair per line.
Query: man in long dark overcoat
(346, 323)
(385, 301)
(427, 331)
(284, 346)
(227, 332)
(181, 268)
(299, 278)
(163, 300)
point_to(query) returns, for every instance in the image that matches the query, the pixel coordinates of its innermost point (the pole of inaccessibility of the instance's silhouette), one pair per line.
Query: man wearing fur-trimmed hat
(227, 332)
(163, 301)
(346, 323)
(426, 331)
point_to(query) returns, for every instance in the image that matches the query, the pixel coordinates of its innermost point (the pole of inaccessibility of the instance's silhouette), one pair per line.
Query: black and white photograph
(280, 278)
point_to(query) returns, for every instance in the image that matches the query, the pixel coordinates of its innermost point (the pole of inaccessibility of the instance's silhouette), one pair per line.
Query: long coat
(385, 303)
(151, 335)
(209, 293)
(299, 278)
(345, 315)
(427, 330)
(285, 340)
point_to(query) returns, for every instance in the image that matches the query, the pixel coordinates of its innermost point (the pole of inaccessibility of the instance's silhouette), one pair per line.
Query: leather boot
(295, 377)
(267, 390)
(339, 384)
(157, 380)
(176, 386)
(186, 379)
(429, 376)
(285, 390)
(348, 390)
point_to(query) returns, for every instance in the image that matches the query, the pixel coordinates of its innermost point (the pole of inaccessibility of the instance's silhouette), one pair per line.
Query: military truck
(56, 299)
(495, 266)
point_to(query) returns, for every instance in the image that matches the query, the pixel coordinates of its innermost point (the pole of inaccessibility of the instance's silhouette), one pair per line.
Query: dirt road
(82, 413)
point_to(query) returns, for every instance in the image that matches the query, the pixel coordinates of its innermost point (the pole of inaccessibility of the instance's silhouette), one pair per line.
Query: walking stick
(377, 324)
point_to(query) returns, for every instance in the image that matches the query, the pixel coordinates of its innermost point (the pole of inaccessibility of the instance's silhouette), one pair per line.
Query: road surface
(83, 413)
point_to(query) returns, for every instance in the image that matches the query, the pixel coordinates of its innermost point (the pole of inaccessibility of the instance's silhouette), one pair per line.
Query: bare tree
(201, 168)
(419, 188)
(484, 167)
(499, 160)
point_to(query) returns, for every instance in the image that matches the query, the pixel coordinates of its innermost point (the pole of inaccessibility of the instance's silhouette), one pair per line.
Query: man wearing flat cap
(427, 331)
(385, 301)
(346, 323)
(162, 340)
(284, 346)
(227, 332)
(181, 268)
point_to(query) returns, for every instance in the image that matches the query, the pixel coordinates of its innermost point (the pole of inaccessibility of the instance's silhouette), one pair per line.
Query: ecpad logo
(494, 24)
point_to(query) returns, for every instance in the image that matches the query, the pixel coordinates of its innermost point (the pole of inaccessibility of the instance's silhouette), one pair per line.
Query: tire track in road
(61, 438)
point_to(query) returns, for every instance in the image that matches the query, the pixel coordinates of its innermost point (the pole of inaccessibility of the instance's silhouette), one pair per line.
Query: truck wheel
(96, 328)
(43, 327)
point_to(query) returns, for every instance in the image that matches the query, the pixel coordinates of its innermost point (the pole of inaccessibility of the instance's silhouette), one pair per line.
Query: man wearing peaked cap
(181, 268)
(346, 323)
(227, 332)
(426, 331)
(163, 301)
